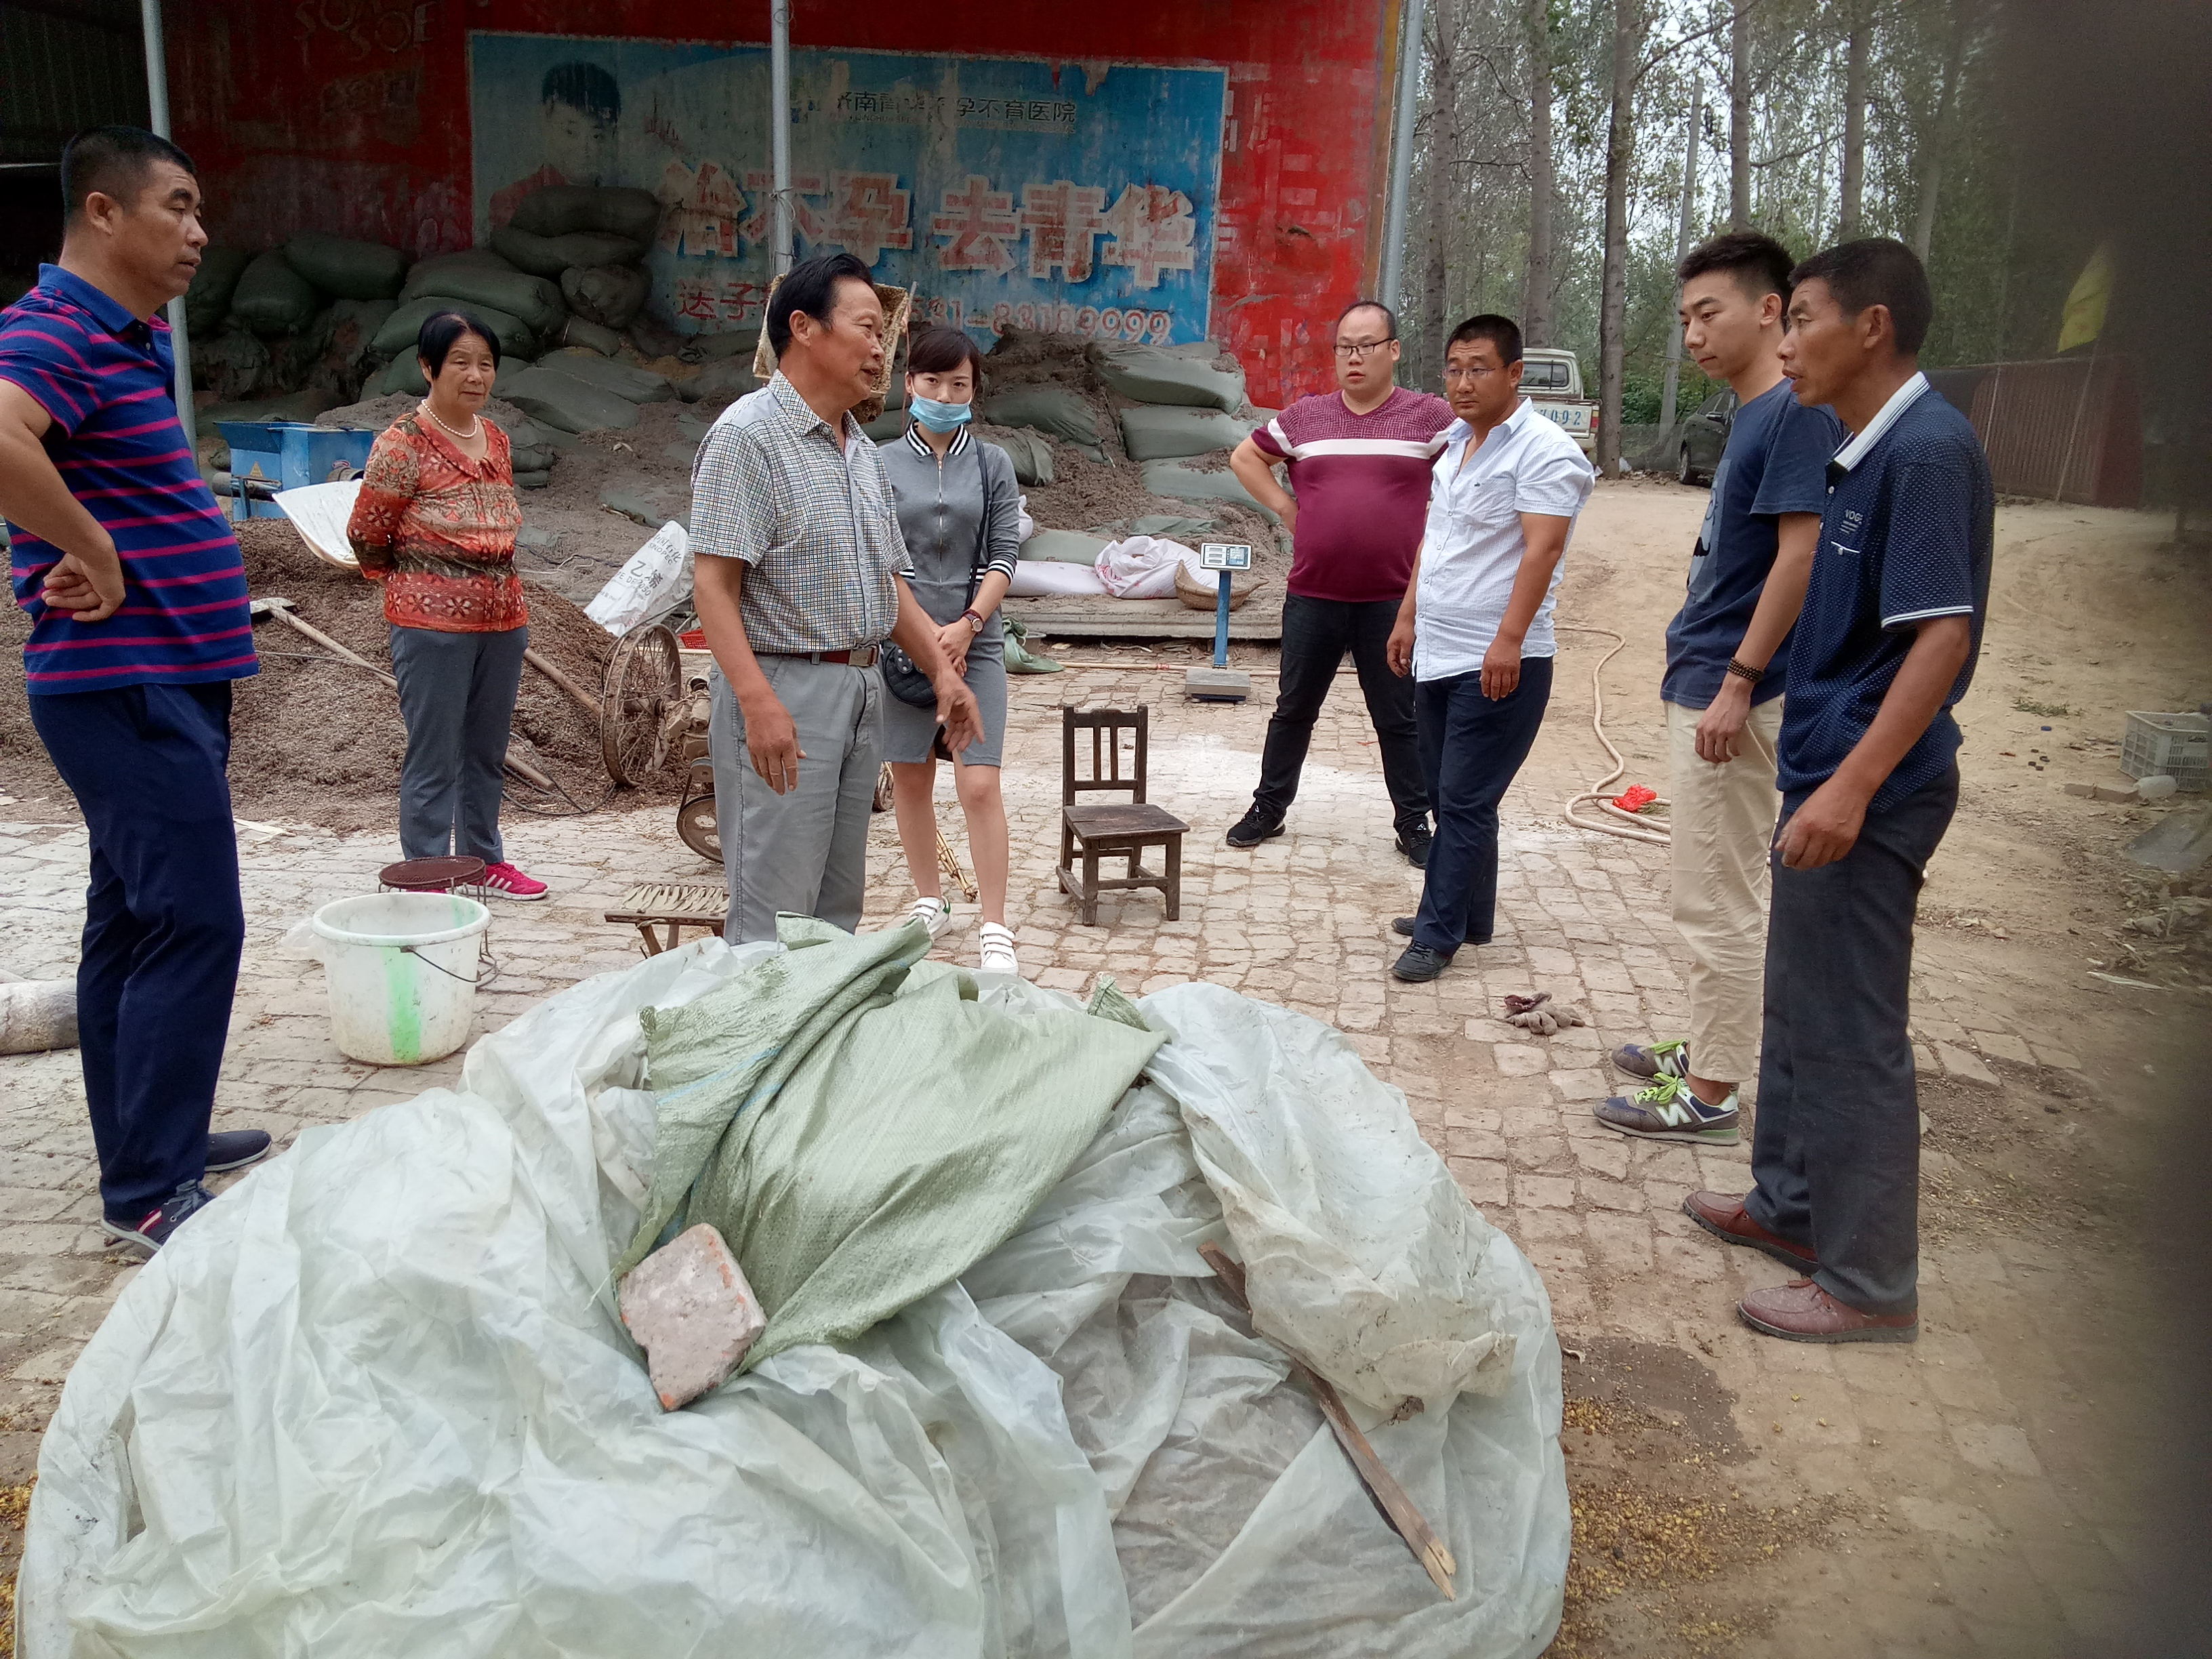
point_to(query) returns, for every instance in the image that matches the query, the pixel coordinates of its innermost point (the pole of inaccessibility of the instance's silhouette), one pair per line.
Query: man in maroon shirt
(1359, 458)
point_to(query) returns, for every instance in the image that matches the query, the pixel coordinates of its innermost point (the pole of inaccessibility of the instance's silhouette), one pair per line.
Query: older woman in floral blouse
(435, 523)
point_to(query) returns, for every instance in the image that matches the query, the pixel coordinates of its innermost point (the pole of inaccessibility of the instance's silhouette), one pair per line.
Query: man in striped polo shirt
(139, 624)
(1359, 458)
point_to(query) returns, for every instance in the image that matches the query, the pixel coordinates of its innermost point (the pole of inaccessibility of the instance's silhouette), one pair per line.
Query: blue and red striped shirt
(105, 379)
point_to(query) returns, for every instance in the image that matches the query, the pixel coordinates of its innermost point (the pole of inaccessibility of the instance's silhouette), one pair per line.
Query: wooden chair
(1119, 830)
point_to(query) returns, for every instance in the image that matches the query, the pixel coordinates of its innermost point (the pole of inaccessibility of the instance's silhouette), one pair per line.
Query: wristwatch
(975, 622)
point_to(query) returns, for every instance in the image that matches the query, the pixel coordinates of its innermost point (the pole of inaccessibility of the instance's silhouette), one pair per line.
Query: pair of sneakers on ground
(1668, 1108)
(505, 881)
(227, 1149)
(994, 939)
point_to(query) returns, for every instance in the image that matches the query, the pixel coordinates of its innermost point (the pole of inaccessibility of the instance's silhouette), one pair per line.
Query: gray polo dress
(940, 512)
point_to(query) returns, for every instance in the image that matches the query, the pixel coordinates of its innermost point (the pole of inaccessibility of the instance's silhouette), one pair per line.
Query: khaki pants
(1722, 818)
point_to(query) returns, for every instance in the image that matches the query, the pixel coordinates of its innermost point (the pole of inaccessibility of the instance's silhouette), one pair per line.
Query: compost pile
(318, 741)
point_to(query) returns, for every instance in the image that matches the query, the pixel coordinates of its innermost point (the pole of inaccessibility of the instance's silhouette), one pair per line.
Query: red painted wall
(352, 117)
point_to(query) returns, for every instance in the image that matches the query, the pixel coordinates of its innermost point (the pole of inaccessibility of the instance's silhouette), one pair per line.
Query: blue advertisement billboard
(1074, 197)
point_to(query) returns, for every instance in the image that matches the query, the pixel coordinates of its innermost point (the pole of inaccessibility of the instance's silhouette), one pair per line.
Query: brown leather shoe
(1800, 1312)
(1726, 1219)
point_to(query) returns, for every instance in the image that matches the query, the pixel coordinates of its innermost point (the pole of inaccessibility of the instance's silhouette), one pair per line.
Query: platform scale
(1221, 683)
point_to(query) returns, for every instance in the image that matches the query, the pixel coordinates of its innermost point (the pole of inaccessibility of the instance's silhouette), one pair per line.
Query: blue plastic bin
(287, 454)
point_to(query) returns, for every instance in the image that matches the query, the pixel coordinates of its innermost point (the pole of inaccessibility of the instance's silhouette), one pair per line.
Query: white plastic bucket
(403, 973)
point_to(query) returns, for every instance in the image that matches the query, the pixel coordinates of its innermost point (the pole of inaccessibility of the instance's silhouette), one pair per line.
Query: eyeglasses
(1480, 371)
(1358, 348)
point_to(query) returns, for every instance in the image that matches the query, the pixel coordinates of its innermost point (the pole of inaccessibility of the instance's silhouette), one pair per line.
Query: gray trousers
(805, 851)
(1835, 1158)
(457, 695)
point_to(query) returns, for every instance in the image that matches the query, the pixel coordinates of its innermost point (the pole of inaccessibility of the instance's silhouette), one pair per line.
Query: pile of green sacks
(860, 1129)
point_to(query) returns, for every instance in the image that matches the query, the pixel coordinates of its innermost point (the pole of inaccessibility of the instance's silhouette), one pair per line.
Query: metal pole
(1681, 247)
(157, 115)
(779, 117)
(1401, 151)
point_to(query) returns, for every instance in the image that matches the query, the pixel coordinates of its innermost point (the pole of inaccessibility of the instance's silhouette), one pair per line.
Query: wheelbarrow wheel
(699, 828)
(641, 703)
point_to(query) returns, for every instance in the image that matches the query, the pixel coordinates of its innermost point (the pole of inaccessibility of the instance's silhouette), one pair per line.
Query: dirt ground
(317, 741)
(2092, 613)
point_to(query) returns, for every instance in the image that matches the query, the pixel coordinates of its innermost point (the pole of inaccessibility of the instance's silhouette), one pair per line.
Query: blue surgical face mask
(940, 417)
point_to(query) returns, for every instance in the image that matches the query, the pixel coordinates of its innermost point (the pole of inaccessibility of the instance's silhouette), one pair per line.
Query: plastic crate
(2178, 746)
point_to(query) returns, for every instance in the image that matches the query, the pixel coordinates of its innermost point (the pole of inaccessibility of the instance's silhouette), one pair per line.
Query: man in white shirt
(1475, 628)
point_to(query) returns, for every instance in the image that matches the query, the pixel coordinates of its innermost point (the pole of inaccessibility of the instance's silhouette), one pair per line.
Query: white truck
(1552, 380)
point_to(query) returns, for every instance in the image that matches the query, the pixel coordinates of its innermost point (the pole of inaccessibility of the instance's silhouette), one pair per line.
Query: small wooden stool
(672, 909)
(1121, 830)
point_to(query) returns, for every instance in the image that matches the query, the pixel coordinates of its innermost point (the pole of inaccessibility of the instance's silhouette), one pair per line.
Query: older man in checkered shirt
(796, 585)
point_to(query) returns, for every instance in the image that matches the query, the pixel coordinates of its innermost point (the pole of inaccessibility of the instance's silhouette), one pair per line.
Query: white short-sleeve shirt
(1472, 547)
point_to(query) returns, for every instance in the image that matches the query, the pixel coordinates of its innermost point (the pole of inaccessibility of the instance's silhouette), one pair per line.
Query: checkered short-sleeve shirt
(809, 510)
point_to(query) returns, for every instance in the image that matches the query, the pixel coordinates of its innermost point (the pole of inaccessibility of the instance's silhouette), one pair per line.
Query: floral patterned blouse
(438, 530)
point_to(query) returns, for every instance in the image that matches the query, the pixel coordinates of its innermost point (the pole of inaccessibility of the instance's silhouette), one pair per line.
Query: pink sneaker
(505, 881)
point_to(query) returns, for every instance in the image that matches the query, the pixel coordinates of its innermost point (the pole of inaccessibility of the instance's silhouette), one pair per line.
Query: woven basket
(1201, 589)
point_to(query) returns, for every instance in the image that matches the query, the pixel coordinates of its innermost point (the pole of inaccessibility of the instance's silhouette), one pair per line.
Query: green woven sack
(859, 1128)
(344, 269)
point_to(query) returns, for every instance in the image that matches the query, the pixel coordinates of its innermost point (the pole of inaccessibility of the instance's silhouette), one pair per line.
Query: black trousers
(1835, 1158)
(1317, 634)
(163, 925)
(1471, 748)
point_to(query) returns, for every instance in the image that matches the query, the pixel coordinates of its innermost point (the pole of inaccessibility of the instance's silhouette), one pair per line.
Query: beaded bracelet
(1744, 671)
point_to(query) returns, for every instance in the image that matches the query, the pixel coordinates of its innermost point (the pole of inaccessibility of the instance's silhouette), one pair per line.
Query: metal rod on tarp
(779, 123)
(1402, 152)
(157, 118)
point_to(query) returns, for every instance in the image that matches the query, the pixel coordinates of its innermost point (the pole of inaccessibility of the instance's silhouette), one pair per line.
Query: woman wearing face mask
(435, 523)
(960, 510)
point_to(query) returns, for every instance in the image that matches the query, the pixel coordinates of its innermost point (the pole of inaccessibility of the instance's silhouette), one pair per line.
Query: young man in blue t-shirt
(1884, 647)
(1727, 653)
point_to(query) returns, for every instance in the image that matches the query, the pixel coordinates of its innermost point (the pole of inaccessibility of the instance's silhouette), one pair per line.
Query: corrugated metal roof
(71, 63)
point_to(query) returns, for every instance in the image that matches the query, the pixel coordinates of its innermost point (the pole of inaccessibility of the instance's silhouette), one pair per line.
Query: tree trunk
(1437, 196)
(1613, 297)
(1536, 288)
(1932, 147)
(1856, 53)
(1739, 117)
(1683, 230)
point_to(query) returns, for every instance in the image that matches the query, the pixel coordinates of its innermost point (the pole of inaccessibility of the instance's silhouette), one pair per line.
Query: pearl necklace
(468, 437)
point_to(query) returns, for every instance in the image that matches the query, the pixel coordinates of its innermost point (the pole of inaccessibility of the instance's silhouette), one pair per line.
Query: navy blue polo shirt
(104, 376)
(1776, 462)
(1906, 534)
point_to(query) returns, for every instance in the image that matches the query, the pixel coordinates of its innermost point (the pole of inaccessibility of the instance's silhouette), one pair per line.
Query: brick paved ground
(1978, 1514)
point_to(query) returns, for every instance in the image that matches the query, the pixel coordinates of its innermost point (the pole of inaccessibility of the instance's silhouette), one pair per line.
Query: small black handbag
(902, 678)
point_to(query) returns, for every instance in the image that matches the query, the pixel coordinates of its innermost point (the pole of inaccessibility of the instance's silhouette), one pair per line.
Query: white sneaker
(998, 942)
(934, 914)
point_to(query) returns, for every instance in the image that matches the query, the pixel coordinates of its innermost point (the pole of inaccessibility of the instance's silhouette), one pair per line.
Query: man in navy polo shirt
(1884, 647)
(139, 624)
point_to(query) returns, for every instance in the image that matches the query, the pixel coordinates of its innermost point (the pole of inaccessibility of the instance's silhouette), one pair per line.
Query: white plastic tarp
(376, 1399)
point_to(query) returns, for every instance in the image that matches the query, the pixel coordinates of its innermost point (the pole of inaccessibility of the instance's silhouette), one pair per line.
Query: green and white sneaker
(1669, 1111)
(1670, 1058)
